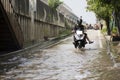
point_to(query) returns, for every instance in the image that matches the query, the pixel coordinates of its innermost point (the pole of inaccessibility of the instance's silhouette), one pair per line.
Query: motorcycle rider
(82, 28)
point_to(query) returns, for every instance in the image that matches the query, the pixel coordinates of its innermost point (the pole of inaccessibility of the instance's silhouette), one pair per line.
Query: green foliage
(110, 2)
(114, 30)
(65, 32)
(54, 3)
(102, 11)
(105, 1)
(105, 9)
(113, 3)
(104, 30)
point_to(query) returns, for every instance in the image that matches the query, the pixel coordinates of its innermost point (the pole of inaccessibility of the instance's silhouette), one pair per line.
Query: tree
(54, 3)
(102, 11)
(115, 9)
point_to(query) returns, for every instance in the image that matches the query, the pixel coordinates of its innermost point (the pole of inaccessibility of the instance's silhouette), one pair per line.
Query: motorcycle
(79, 39)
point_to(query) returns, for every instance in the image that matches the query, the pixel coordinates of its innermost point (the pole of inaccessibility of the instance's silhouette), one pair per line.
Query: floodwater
(62, 62)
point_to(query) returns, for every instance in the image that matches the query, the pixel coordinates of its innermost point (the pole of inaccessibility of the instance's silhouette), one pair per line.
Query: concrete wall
(38, 20)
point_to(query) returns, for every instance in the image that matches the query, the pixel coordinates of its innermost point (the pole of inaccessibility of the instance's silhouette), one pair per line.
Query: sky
(79, 9)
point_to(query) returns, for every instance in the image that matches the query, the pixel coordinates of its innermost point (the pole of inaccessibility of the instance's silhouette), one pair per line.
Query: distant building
(67, 12)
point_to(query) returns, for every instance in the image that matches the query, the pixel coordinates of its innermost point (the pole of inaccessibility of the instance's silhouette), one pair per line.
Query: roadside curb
(35, 48)
(111, 51)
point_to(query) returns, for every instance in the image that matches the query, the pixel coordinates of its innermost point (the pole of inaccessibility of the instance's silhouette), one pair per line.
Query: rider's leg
(88, 38)
(75, 43)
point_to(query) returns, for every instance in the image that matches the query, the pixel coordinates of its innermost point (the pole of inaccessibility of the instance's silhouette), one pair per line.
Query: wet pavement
(63, 62)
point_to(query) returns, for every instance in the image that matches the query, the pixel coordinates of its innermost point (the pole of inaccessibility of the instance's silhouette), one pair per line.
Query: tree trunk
(107, 19)
(117, 21)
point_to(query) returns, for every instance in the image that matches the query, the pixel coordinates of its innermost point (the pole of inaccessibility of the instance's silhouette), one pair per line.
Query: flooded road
(61, 62)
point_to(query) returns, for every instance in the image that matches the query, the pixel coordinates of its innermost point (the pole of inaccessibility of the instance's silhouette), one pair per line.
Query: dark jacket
(80, 27)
